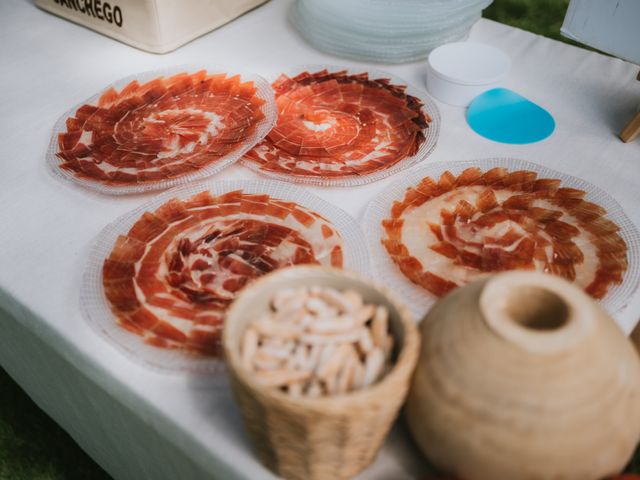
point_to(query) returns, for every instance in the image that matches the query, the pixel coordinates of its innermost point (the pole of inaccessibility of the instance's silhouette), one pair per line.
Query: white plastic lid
(469, 63)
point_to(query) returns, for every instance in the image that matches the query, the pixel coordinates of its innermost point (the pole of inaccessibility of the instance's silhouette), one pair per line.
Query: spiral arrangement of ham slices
(159, 130)
(450, 231)
(171, 278)
(336, 125)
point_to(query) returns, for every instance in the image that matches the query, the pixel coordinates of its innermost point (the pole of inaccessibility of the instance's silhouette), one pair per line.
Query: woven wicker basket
(318, 438)
(635, 337)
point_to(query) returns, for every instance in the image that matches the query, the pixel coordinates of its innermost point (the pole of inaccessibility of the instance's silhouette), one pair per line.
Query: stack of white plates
(387, 31)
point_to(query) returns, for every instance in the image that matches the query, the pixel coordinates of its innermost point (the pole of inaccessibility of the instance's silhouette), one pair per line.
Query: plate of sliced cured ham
(160, 278)
(340, 126)
(450, 223)
(162, 128)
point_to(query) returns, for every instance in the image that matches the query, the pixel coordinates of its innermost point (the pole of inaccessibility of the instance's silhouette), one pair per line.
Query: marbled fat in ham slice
(450, 231)
(159, 130)
(335, 125)
(172, 277)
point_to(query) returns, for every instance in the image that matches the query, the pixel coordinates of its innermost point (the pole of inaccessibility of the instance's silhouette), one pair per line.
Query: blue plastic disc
(504, 116)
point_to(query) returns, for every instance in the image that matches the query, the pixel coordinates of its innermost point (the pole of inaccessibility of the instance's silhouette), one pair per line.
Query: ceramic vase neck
(537, 312)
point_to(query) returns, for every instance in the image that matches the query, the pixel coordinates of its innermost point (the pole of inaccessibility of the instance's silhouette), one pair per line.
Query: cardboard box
(612, 26)
(157, 26)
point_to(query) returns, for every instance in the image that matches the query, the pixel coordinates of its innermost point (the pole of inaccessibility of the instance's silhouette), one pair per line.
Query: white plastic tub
(459, 72)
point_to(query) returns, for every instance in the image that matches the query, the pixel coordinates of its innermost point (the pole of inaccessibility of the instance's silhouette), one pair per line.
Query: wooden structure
(632, 129)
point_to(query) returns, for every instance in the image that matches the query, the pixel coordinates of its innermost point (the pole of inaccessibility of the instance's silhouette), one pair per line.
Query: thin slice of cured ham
(171, 278)
(336, 125)
(161, 129)
(451, 230)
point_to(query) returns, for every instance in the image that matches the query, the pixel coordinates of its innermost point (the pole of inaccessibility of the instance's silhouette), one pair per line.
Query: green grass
(543, 17)
(540, 16)
(33, 447)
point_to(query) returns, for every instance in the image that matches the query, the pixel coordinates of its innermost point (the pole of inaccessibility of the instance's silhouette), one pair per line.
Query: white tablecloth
(142, 424)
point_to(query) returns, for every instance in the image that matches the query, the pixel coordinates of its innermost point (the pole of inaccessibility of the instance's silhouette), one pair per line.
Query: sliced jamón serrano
(449, 231)
(172, 277)
(335, 125)
(159, 130)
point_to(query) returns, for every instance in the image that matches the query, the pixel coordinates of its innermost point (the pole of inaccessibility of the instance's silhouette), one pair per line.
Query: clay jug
(523, 376)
